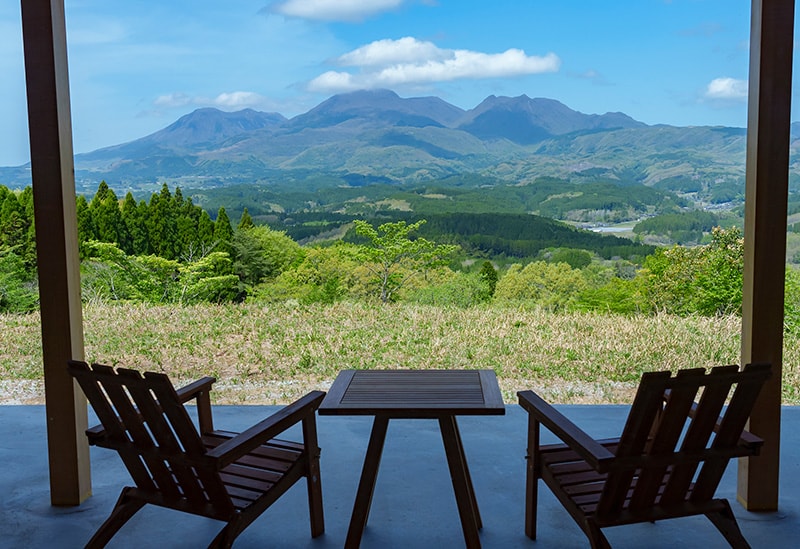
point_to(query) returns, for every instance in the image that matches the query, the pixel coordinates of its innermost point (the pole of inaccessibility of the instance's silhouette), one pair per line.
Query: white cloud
(334, 10)
(388, 63)
(240, 100)
(385, 52)
(227, 100)
(728, 89)
(333, 81)
(172, 100)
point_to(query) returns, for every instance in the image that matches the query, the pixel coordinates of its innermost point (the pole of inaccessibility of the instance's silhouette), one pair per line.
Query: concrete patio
(413, 505)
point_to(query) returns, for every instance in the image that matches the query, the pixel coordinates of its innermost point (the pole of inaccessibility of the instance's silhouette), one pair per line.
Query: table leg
(366, 485)
(466, 472)
(462, 484)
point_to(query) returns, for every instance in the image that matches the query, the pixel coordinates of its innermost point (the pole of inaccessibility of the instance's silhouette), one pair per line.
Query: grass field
(271, 354)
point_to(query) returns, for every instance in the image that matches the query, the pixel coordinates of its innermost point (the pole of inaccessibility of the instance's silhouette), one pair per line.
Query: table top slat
(414, 393)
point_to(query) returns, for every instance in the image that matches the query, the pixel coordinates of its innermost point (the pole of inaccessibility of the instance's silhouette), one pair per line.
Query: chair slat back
(149, 427)
(667, 437)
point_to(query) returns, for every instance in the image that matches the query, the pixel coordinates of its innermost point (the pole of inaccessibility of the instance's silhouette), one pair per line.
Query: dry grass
(271, 354)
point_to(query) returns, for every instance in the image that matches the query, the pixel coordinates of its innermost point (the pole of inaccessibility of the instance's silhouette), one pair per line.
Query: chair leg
(532, 478)
(313, 477)
(315, 510)
(725, 521)
(124, 509)
(597, 539)
(224, 539)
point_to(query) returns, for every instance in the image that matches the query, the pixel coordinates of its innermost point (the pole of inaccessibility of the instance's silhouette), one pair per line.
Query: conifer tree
(188, 245)
(86, 230)
(205, 230)
(161, 225)
(13, 225)
(177, 198)
(106, 216)
(101, 192)
(223, 232)
(488, 274)
(246, 222)
(29, 245)
(134, 216)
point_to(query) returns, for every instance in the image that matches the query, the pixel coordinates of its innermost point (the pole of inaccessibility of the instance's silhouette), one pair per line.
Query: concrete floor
(413, 505)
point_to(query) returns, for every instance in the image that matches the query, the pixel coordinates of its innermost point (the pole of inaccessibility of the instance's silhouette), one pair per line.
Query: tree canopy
(394, 257)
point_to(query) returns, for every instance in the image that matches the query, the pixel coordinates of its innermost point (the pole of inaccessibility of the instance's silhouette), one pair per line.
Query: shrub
(18, 291)
(461, 290)
(616, 296)
(550, 285)
(704, 279)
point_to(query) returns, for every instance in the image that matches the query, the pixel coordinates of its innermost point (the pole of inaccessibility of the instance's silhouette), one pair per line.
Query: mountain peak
(525, 120)
(211, 124)
(379, 105)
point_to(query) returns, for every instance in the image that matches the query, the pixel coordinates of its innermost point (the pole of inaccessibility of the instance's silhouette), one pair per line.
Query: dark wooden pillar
(769, 118)
(44, 37)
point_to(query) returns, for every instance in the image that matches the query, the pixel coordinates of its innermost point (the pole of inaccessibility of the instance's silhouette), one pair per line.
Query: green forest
(168, 250)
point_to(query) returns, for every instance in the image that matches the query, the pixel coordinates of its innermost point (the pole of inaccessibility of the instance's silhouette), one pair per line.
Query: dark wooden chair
(666, 464)
(222, 475)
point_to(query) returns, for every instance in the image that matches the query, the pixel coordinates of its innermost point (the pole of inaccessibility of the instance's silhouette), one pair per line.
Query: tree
(393, 257)
(162, 228)
(262, 254)
(106, 273)
(618, 295)
(549, 285)
(18, 291)
(188, 244)
(29, 246)
(577, 259)
(223, 232)
(134, 216)
(246, 222)
(721, 279)
(703, 279)
(488, 274)
(106, 216)
(458, 289)
(86, 230)
(205, 230)
(209, 279)
(325, 275)
(186, 241)
(13, 223)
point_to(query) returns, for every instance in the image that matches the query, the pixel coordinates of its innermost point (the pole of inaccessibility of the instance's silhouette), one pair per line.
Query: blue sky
(136, 66)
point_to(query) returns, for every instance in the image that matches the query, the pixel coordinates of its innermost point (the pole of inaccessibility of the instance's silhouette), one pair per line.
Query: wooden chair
(667, 463)
(222, 475)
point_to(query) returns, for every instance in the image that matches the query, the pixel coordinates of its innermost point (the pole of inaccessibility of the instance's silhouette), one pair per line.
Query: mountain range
(379, 136)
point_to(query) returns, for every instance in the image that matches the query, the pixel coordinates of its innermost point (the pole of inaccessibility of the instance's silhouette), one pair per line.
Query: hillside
(528, 348)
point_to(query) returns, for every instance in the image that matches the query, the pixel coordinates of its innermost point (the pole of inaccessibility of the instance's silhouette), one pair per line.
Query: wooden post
(46, 74)
(767, 173)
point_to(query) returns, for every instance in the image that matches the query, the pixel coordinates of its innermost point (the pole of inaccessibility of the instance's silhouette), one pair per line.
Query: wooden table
(416, 394)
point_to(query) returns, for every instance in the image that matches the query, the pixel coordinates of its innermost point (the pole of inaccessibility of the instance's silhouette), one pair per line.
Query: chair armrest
(194, 389)
(243, 443)
(96, 433)
(201, 391)
(573, 436)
